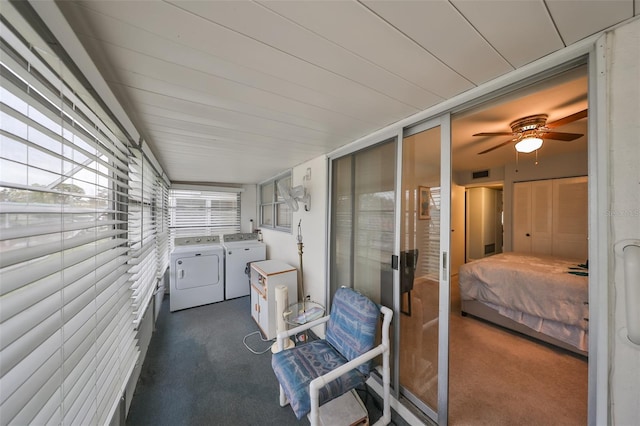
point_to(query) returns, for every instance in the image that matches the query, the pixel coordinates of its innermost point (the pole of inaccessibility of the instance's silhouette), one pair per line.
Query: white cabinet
(266, 276)
(550, 217)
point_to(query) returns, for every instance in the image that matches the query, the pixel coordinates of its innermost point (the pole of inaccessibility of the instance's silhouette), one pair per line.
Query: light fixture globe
(528, 144)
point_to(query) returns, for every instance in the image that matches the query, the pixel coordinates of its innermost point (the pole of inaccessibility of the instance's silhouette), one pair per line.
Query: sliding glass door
(362, 221)
(362, 238)
(390, 225)
(424, 272)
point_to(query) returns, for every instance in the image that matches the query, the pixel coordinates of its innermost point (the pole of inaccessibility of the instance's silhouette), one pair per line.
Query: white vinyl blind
(162, 223)
(68, 342)
(142, 231)
(194, 213)
(429, 258)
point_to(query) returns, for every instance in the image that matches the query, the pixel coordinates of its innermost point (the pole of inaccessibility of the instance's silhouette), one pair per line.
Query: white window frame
(276, 207)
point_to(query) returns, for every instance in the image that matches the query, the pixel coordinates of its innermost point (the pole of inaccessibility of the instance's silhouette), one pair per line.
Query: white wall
(283, 246)
(248, 207)
(623, 62)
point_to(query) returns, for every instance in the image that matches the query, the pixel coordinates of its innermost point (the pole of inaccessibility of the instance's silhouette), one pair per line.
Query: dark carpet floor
(198, 371)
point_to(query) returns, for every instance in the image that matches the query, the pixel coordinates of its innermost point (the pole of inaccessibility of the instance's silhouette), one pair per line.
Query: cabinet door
(254, 305)
(267, 326)
(570, 217)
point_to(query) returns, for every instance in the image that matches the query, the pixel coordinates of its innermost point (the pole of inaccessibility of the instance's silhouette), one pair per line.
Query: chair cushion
(295, 368)
(353, 324)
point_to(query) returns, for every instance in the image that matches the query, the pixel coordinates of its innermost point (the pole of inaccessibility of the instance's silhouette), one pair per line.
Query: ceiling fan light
(528, 145)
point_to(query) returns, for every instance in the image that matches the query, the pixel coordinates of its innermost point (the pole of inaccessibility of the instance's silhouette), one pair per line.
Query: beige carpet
(500, 378)
(497, 377)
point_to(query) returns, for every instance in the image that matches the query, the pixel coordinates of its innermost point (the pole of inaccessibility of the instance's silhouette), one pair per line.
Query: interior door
(424, 267)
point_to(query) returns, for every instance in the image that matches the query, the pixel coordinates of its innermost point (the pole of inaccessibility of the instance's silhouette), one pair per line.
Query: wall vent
(480, 174)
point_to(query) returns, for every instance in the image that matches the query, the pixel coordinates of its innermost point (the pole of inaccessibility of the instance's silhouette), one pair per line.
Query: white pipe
(317, 383)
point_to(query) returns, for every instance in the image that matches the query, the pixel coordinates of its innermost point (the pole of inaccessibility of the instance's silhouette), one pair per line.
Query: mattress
(547, 294)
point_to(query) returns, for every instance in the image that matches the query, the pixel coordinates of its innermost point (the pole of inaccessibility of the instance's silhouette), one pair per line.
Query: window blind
(142, 232)
(68, 341)
(429, 259)
(194, 213)
(162, 222)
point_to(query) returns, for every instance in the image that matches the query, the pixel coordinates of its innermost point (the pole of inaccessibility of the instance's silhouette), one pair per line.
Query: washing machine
(197, 272)
(239, 251)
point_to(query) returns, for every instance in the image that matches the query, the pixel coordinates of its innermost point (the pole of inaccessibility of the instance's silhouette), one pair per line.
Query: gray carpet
(199, 372)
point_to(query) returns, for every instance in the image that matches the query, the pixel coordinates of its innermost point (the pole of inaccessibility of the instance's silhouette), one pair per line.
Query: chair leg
(314, 414)
(283, 398)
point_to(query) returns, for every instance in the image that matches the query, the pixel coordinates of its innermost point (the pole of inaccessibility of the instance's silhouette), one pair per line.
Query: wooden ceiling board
(232, 47)
(579, 19)
(438, 27)
(224, 137)
(357, 29)
(209, 90)
(238, 120)
(255, 21)
(521, 31)
(156, 115)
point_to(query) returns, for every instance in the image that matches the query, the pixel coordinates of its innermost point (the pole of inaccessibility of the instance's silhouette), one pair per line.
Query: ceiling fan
(528, 132)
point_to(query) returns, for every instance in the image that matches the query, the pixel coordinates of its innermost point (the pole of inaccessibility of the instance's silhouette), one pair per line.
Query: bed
(541, 296)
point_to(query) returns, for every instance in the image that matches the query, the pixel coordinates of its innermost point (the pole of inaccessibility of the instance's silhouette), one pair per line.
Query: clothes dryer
(239, 251)
(197, 272)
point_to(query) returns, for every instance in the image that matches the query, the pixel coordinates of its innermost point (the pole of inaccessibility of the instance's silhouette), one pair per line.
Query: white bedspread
(536, 285)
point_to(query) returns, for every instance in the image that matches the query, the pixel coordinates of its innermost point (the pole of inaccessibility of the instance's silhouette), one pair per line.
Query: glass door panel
(363, 222)
(420, 272)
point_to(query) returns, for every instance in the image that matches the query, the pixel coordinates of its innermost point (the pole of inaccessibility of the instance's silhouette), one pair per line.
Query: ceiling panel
(239, 91)
(259, 23)
(358, 29)
(438, 27)
(521, 31)
(579, 19)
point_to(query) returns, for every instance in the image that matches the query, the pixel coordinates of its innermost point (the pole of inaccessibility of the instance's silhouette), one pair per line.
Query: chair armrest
(280, 338)
(382, 348)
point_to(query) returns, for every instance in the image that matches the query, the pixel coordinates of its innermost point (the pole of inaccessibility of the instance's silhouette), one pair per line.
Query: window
(204, 212)
(68, 337)
(274, 211)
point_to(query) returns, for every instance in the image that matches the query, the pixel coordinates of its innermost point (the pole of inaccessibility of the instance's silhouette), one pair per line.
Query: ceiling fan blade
(494, 134)
(568, 119)
(496, 147)
(561, 136)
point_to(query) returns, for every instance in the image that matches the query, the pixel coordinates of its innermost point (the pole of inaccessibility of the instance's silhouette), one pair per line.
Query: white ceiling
(238, 91)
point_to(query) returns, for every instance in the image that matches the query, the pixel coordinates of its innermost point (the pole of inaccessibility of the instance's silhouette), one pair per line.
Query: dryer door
(197, 270)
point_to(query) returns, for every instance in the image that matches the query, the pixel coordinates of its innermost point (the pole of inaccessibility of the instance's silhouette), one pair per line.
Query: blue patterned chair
(319, 371)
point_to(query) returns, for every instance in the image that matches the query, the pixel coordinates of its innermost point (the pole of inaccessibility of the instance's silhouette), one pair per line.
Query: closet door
(541, 217)
(532, 217)
(522, 217)
(570, 217)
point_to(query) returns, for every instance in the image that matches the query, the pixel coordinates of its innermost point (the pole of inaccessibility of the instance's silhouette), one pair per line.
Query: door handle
(629, 251)
(631, 255)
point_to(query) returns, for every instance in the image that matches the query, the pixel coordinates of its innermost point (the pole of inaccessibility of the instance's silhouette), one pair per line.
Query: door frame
(592, 51)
